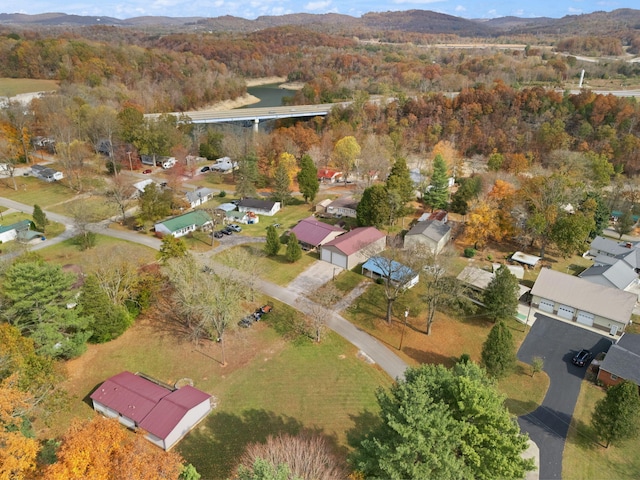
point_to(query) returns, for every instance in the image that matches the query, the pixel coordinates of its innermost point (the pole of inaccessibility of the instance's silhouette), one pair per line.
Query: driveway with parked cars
(556, 342)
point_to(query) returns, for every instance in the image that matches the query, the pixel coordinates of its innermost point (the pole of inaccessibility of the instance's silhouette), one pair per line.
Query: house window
(614, 377)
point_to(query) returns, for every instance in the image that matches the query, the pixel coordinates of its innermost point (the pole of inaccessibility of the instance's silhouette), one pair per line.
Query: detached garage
(582, 302)
(354, 247)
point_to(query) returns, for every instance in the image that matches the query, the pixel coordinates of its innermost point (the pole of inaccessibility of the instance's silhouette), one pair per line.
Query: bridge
(255, 115)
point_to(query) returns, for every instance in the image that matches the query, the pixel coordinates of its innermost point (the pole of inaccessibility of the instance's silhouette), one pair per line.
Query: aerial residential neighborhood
(418, 258)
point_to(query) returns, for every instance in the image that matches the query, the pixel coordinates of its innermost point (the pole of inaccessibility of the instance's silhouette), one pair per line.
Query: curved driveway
(556, 342)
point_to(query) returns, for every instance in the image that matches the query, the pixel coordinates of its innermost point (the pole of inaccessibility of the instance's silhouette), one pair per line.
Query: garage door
(325, 254)
(566, 312)
(339, 260)
(585, 318)
(546, 305)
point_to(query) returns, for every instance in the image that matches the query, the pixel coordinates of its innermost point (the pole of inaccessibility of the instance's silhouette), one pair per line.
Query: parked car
(205, 169)
(582, 358)
(265, 309)
(148, 170)
(246, 322)
(218, 234)
(235, 227)
(227, 231)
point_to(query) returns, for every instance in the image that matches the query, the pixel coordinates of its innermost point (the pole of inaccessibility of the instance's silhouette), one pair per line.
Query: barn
(354, 247)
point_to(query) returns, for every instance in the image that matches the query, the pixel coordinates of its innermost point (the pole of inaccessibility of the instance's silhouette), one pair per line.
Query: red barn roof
(356, 239)
(312, 231)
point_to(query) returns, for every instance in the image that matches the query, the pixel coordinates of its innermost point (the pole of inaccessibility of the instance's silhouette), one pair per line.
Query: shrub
(222, 194)
(469, 252)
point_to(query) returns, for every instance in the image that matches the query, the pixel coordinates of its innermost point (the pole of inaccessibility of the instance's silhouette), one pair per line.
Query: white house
(45, 173)
(166, 415)
(354, 247)
(12, 231)
(199, 196)
(224, 164)
(435, 234)
(259, 207)
(183, 224)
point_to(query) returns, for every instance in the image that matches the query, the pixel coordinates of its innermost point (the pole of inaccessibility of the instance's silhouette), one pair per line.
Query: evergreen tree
(445, 424)
(616, 416)
(595, 204)
(211, 148)
(294, 252)
(281, 185)
(624, 224)
(308, 178)
(437, 193)
(399, 180)
(247, 176)
(272, 245)
(501, 295)
(107, 321)
(498, 351)
(468, 190)
(373, 209)
(39, 219)
(171, 247)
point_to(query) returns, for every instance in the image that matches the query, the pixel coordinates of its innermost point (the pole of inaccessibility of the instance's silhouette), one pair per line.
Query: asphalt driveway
(556, 342)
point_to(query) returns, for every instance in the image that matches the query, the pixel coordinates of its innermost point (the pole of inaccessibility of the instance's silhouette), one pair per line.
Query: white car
(235, 228)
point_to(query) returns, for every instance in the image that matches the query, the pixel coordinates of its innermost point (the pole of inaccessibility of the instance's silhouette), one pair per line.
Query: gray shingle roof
(433, 229)
(619, 275)
(623, 363)
(576, 292)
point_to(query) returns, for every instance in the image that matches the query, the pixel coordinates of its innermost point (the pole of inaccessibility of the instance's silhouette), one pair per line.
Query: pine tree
(171, 247)
(39, 219)
(501, 296)
(373, 209)
(107, 321)
(499, 352)
(624, 224)
(308, 179)
(437, 193)
(294, 252)
(616, 416)
(247, 176)
(281, 185)
(272, 245)
(399, 180)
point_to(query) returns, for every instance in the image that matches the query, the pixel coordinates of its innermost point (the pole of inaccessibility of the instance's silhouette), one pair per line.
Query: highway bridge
(255, 115)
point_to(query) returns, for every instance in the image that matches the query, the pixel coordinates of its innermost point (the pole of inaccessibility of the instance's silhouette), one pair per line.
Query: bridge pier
(256, 121)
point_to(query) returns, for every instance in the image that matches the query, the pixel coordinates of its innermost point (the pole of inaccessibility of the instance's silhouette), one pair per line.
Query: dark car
(582, 358)
(227, 231)
(147, 171)
(218, 234)
(204, 169)
(246, 322)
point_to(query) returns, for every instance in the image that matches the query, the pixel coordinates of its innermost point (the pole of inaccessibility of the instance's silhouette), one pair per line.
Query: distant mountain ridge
(418, 21)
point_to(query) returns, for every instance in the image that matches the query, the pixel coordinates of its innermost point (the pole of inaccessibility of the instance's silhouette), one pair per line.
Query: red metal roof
(356, 239)
(326, 173)
(439, 215)
(312, 231)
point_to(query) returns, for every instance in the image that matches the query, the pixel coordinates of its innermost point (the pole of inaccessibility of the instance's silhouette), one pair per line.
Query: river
(270, 95)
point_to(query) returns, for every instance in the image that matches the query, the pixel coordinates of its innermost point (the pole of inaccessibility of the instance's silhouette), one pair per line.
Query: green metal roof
(197, 218)
(21, 225)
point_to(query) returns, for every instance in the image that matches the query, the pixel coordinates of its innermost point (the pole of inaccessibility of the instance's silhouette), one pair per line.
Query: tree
(102, 448)
(373, 209)
(498, 351)
(482, 224)
(302, 457)
(345, 153)
(211, 147)
(39, 218)
(154, 203)
(107, 320)
(308, 179)
(272, 244)
(616, 417)
(247, 176)
(37, 295)
(571, 231)
(120, 193)
(171, 247)
(294, 252)
(399, 180)
(624, 224)
(537, 365)
(281, 185)
(469, 189)
(83, 216)
(437, 193)
(442, 423)
(501, 295)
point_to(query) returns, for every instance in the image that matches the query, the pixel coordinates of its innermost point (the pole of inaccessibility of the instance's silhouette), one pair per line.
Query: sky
(251, 9)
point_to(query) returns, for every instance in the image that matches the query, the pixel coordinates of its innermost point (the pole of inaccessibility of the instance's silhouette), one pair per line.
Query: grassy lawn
(275, 269)
(13, 86)
(96, 204)
(583, 457)
(524, 393)
(270, 384)
(68, 252)
(33, 191)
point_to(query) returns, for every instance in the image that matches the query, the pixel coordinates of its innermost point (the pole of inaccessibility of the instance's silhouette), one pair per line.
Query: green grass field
(14, 86)
(33, 191)
(584, 458)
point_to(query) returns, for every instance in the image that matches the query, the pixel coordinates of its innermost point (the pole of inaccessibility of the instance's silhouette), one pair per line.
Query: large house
(582, 302)
(166, 414)
(354, 247)
(183, 224)
(312, 233)
(259, 207)
(622, 361)
(343, 206)
(614, 264)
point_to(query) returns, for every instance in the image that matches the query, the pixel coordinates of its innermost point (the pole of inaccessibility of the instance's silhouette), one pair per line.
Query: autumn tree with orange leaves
(102, 449)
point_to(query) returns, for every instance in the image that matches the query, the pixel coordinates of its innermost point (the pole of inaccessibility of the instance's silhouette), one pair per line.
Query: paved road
(548, 425)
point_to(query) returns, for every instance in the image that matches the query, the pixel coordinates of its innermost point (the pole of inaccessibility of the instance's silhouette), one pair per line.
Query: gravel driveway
(556, 342)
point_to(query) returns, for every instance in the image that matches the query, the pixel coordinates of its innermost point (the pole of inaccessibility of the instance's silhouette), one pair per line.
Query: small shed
(399, 274)
(525, 259)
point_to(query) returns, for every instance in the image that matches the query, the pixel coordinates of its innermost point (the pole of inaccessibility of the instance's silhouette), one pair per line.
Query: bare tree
(248, 267)
(117, 272)
(120, 193)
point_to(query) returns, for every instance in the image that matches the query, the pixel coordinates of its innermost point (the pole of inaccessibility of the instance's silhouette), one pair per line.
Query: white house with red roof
(166, 415)
(312, 233)
(354, 247)
(328, 176)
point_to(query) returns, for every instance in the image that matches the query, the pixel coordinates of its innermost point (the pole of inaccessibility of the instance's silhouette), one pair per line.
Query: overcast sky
(255, 8)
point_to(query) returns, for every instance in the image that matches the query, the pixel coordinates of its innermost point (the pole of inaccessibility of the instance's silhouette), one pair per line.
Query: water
(269, 95)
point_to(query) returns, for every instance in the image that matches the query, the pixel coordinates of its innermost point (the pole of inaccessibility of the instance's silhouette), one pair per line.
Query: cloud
(460, 8)
(417, 2)
(318, 5)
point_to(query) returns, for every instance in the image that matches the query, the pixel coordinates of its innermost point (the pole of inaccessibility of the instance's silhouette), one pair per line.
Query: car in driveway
(235, 227)
(582, 358)
(218, 234)
(227, 231)
(147, 171)
(205, 169)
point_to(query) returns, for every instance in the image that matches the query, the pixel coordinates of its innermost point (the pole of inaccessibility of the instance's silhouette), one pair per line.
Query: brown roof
(356, 239)
(312, 231)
